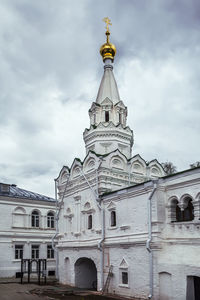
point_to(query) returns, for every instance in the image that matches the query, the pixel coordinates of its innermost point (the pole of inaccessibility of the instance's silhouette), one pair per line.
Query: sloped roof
(11, 190)
(108, 87)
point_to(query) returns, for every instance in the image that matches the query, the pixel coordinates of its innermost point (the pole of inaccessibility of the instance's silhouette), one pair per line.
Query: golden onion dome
(108, 50)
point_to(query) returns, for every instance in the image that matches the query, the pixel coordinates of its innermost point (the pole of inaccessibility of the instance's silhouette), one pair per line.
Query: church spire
(108, 87)
(108, 114)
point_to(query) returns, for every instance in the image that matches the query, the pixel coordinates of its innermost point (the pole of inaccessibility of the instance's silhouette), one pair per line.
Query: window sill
(16, 260)
(124, 227)
(77, 233)
(112, 227)
(124, 286)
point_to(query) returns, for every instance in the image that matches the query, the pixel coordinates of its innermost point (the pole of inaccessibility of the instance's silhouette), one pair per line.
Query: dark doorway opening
(85, 274)
(197, 287)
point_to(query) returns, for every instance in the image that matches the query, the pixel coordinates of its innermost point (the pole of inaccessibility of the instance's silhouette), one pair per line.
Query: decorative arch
(64, 177)
(187, 207)
(76, 171)
(156, 169)
(117, 162)
(174, 209)
(76, 168)
(19, 210)
(137, 167)
(19, 217)
(87, 205)
(90, 164)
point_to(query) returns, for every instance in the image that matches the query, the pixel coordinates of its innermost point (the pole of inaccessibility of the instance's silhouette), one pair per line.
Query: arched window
(90, 222)
(178, 213)
(188, 213)
(113, 218)
(50, 220)
(35, 219)
(106, 116)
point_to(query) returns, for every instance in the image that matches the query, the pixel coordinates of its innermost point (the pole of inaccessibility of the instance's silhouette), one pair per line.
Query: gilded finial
(107, 50)
(107, 21)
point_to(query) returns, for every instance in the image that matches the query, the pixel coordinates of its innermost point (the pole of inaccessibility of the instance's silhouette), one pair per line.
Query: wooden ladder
(106, 285)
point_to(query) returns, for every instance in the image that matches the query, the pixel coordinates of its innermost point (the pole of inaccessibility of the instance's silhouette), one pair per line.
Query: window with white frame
(35, 219)
(19, 251)
(88, 214)
(50, 220)
(123, 274)
(50, 251)
(113, 218)
(35, 251)
(90, 222)
(112, 215)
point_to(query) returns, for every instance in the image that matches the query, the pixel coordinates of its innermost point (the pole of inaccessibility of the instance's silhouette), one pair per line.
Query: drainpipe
(148, 247)
(100, 247)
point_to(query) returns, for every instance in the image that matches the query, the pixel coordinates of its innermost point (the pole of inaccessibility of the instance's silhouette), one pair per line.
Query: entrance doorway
(85, 274)
(193, 288)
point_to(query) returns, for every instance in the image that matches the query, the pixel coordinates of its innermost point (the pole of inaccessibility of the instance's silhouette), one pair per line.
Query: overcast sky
(50, 71)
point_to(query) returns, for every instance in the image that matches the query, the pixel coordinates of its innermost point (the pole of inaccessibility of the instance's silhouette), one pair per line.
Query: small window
(124, 277)
(19, 251)
(120, 118)
(35, 219)
(90, 222)
(113, 218)
(51, 273)
(50, 220)
(35, 251)
(106, 116)
(50, 251)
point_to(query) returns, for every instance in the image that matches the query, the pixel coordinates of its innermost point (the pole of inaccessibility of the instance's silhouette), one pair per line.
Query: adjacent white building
(27, 225)
(124, 226)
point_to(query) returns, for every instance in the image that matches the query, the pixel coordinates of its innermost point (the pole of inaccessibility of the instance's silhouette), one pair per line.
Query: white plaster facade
(120, 212)
(17, 232)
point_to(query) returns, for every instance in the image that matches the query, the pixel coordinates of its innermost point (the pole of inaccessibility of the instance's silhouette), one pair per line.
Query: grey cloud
(50, 71)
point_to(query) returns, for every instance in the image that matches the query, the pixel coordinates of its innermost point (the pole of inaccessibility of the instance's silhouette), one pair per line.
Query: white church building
(124, 226)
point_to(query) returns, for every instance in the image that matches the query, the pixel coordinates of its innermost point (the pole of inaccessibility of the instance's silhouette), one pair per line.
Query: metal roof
(11, 190)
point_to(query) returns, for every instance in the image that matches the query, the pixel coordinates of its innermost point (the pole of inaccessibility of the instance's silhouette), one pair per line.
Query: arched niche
(165, 285)
(117, 163)
(137, 167)
(19, 217)
(89, 165)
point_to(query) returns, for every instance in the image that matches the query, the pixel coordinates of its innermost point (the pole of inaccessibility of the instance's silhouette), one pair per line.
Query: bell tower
(108, 114)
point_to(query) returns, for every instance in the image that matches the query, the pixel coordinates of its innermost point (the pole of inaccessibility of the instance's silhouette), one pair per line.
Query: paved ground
(17, 291)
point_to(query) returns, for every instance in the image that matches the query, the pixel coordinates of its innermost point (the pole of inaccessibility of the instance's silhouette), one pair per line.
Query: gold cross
(107, 21)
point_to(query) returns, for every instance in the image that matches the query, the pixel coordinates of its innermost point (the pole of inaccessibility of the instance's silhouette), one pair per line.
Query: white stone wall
(175, 245)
